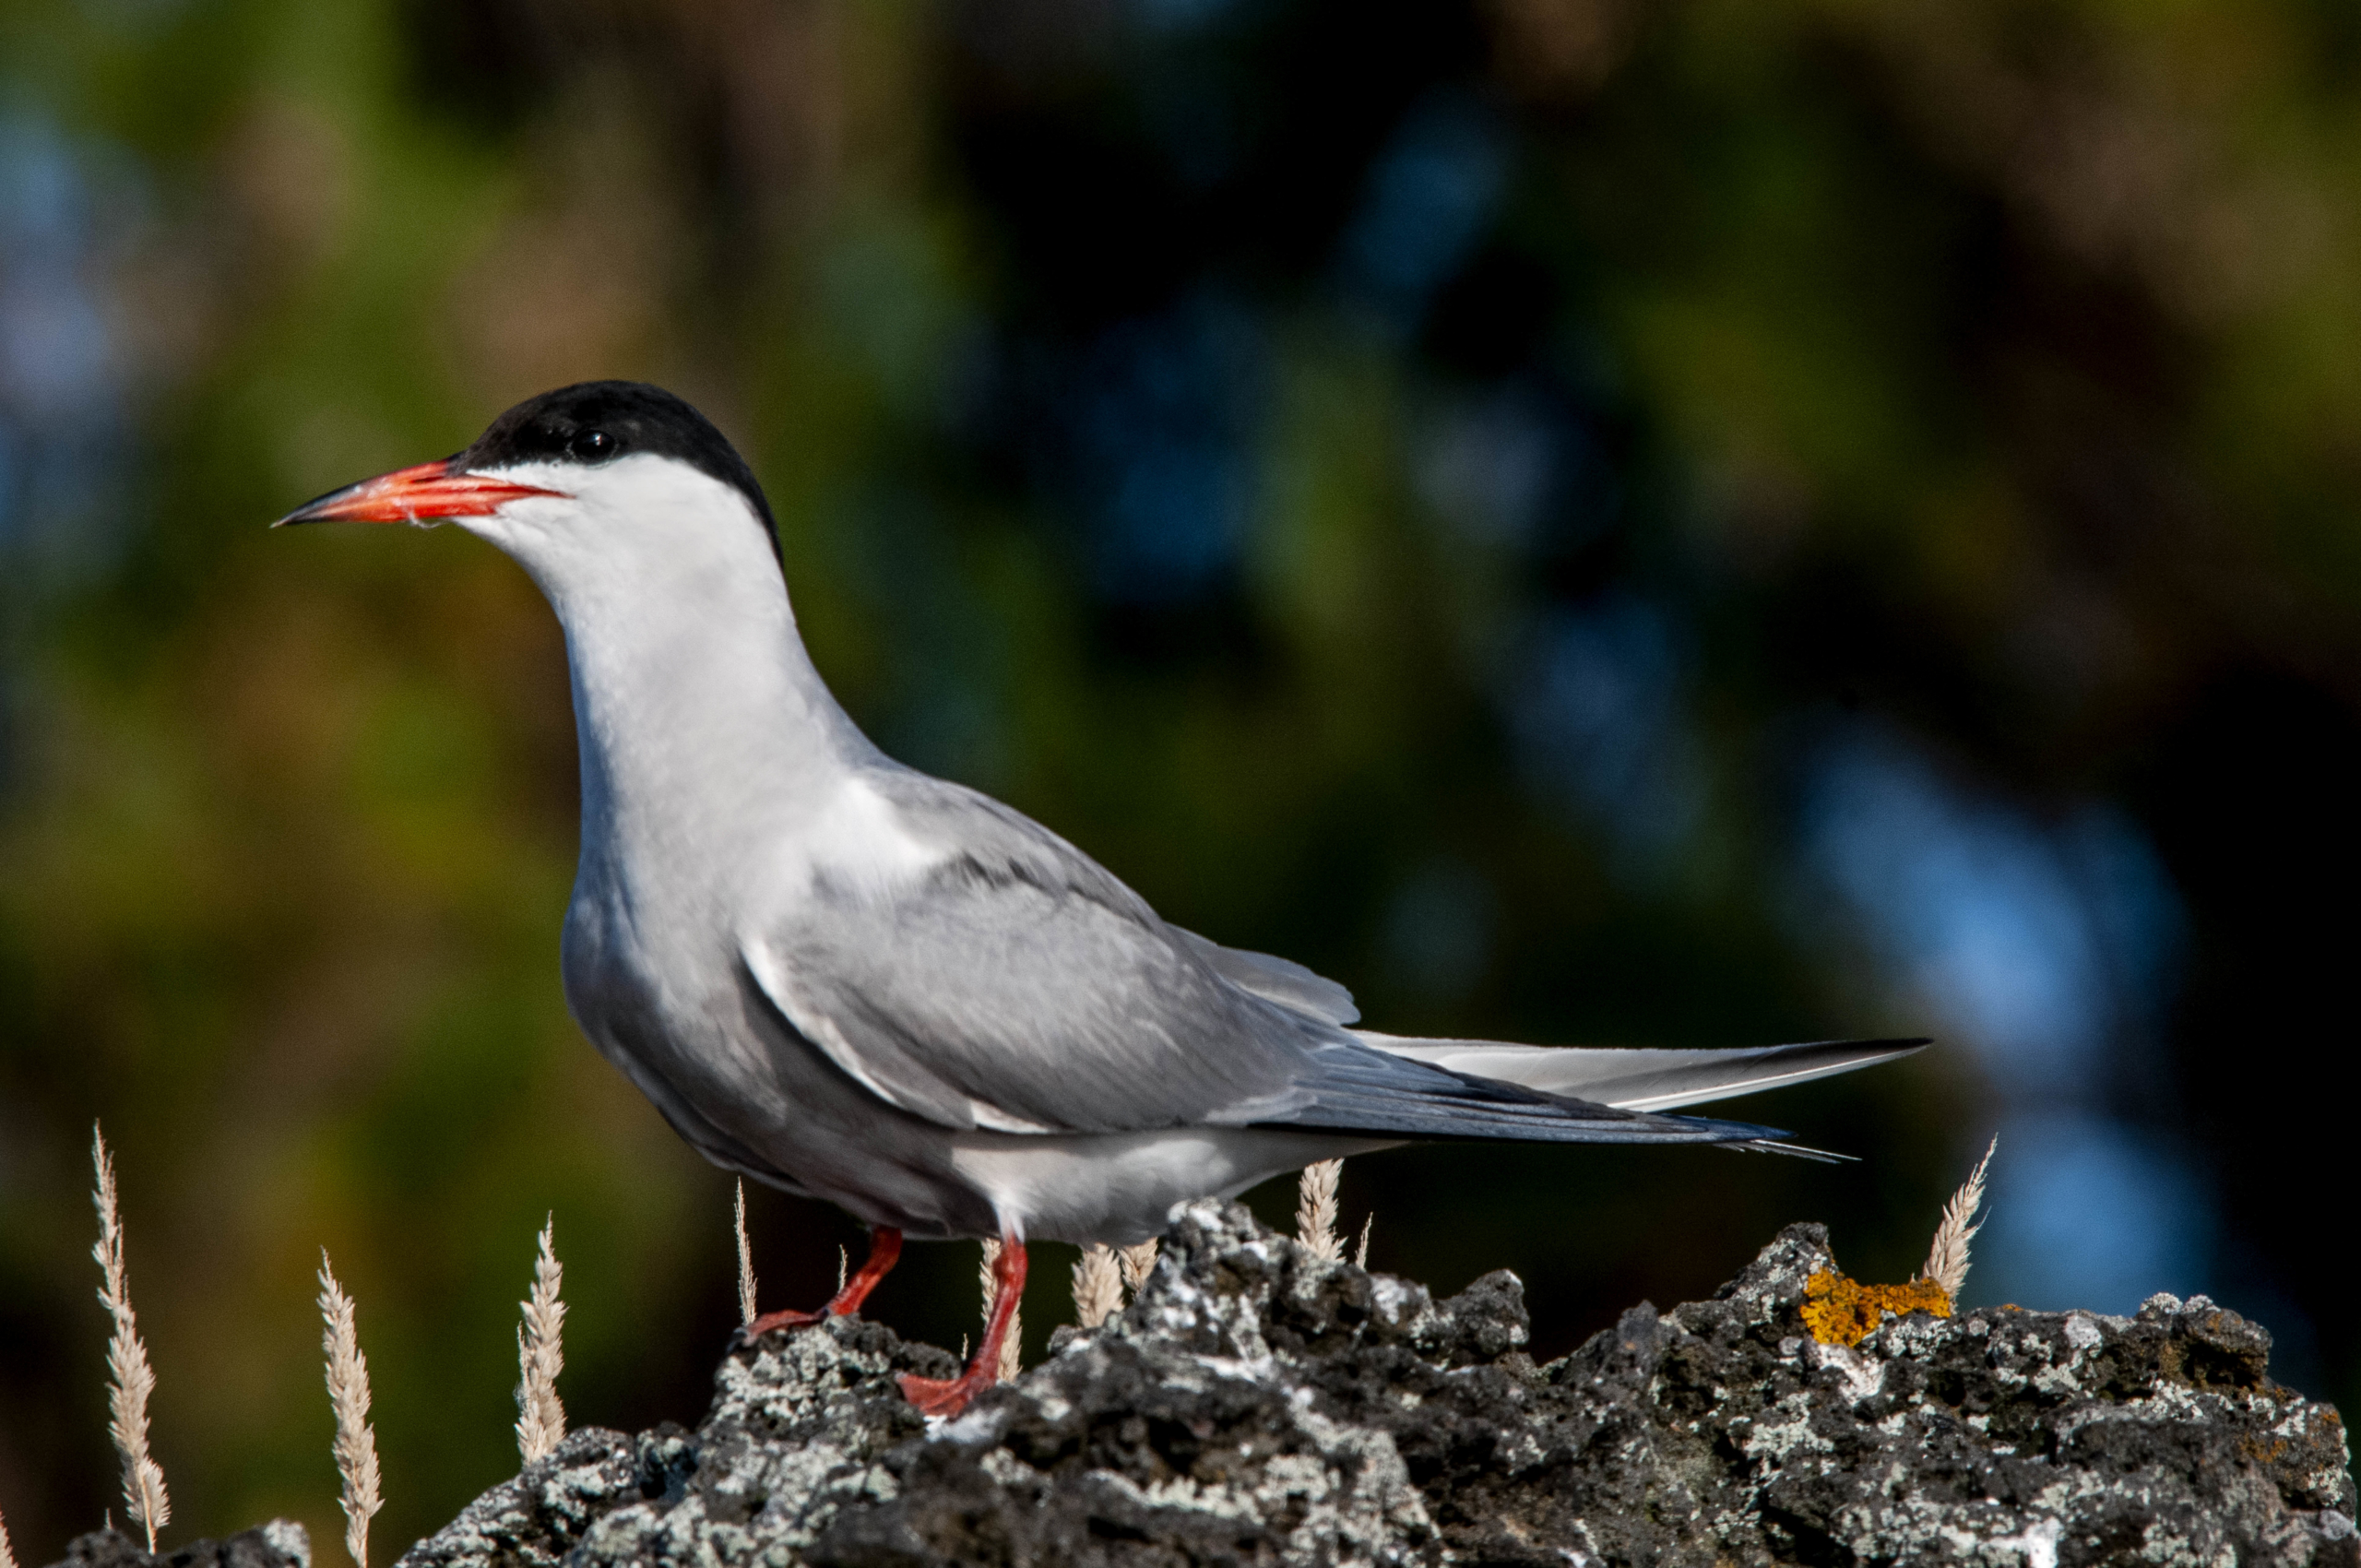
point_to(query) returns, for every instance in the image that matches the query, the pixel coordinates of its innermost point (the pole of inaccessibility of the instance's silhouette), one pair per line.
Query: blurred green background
(1699, 523)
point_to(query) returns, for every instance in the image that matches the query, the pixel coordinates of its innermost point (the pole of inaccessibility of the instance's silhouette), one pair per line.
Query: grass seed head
(1097, 1286)
(130, 1378)
(1138, 1264)
(541, 1354)
(1946, 1258)
(356, 1440)
(1315, 1213)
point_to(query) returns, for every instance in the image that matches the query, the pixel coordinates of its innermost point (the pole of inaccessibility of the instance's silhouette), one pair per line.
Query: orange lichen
(1840, 1311)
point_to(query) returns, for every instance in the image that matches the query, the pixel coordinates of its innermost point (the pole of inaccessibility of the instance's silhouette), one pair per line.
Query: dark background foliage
(1703, 523)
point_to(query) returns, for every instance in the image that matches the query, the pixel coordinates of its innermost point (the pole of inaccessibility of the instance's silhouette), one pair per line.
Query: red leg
(884, 1247)
(937, 1396)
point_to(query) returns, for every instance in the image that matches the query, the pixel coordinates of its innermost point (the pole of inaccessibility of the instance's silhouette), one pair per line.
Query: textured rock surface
(280, 1544)
(1258, 1406)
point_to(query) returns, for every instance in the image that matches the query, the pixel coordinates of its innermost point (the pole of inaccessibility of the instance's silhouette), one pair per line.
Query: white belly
(1120, 1187)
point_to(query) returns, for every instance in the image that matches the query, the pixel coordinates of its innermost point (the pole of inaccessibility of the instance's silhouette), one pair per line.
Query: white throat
(703, 728)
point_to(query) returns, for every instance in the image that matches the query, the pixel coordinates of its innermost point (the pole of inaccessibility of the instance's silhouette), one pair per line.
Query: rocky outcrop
(1257, 1405)
(282, 1543)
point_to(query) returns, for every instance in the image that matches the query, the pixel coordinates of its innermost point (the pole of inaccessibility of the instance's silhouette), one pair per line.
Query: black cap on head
(596, 422)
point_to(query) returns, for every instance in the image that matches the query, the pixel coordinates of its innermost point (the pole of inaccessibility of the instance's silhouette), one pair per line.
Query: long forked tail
(1633, 1079)
(1427, 1091)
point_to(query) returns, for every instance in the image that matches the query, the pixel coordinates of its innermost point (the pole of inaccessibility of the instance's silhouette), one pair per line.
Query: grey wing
(980, 997)
(1019, 986)
(1274, 979)
(1005, 833)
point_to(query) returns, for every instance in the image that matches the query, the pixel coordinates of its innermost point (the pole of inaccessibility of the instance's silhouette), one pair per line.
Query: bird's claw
(945, 1396)
(748, 1333)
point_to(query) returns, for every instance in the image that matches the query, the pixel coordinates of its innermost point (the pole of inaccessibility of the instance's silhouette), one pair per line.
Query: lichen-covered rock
(800, 1427)
(1257, 1405)
(282, 1543)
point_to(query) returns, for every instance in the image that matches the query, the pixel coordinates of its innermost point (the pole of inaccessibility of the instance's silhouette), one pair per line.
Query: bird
(846, 979)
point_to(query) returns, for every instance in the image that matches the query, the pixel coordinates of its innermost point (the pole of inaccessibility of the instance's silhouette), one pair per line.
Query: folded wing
(1282, 980)
(1017, 986)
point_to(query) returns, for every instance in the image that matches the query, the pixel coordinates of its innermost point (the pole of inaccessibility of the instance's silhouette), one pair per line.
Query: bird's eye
(591, 446)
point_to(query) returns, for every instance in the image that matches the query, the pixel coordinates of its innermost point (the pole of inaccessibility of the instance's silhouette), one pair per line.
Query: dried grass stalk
(7, 1552)
(1138, 1264)
(130, 1378)
(1012, 1349)
(356, 1441)
(1360, 1252)
(541, 1354)
(745, 1263)
(1315, 1210)
(1097, 1286)
(1947, 1259)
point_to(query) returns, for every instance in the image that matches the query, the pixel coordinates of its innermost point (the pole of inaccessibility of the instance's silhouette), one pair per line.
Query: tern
(845, 979)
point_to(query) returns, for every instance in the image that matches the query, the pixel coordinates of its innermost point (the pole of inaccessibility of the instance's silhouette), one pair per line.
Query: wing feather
(1016, 985)
(1274, 979)
(983, 997)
